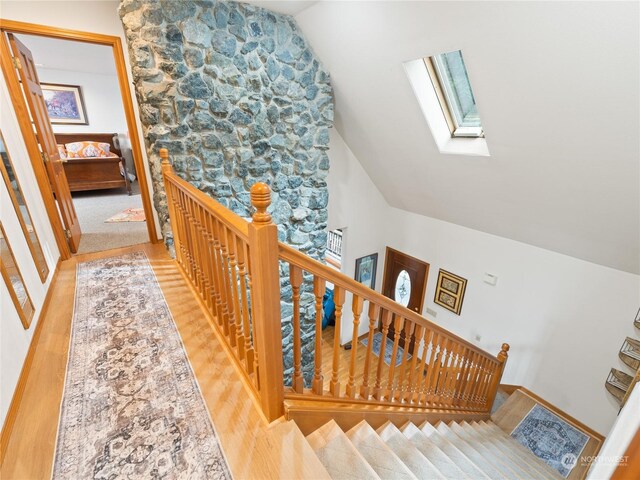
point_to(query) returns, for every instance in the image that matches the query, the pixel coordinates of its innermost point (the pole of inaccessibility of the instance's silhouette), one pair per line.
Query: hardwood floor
(253, 448)
(345, 360)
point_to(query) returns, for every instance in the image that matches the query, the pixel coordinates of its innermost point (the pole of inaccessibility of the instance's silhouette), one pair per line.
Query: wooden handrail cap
(503, 355)
(164, 155)
(261, 199)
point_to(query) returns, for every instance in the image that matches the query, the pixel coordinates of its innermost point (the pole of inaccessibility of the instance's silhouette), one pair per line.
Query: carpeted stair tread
(463, 462)
(490, 430)
(489, 464)
(441, 460)
(338, 455)
(414, 460)
(490, 450)
(502, 444)
(380, 457)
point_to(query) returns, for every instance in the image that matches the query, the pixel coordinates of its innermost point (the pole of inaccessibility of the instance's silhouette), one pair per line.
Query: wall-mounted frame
(450, 290)
(65, 104)
(14, 281)
(22, 210)
(366, 270)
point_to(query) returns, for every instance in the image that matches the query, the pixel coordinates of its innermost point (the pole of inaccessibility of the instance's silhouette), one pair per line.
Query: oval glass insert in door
(403, 288)
(22, 211)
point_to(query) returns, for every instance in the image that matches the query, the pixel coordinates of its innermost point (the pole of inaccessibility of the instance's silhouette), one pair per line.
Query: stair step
(462, 461)
(490, 450)
(415, 461)
(489, 464)
(446, 465)
(487, 429)
(523, 459)
(380, 457)
(338, 455)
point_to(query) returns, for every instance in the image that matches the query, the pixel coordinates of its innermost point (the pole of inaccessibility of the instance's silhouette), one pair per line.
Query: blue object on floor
(329, 309)
(388, 349)
(550, 438)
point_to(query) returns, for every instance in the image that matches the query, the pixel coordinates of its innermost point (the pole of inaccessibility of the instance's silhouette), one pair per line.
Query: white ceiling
(288, 7)
(51, 53)
(557, 85)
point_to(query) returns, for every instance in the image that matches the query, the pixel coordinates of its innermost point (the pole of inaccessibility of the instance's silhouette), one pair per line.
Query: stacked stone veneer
(235, 94)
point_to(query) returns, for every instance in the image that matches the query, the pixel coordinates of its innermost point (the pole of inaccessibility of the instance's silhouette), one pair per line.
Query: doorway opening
(72, 97)
(80, 88)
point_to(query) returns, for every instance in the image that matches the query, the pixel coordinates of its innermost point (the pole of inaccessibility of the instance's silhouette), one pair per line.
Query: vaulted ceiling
(557, 85)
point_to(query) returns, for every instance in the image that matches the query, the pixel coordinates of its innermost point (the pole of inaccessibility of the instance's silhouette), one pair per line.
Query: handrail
(332, 275)
(235, 268)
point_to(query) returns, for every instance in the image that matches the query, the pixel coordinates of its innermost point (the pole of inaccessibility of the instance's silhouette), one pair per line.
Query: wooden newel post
(267, 323)
(167, 169)
(497, 377)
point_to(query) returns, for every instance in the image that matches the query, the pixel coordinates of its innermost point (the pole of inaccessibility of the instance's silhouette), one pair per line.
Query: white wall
(14, 339)
(564, 318)
(102, 100)
(354, 203)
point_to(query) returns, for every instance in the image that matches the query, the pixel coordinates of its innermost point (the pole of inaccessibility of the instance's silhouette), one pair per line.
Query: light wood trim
(42, 273)
(125, 91)
(14, 406)
(26, 311)
(310, 265)
(565, 416)
(310, 415)
(31, 143)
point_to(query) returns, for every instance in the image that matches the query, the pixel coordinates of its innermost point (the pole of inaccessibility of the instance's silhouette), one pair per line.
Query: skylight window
(451, 83)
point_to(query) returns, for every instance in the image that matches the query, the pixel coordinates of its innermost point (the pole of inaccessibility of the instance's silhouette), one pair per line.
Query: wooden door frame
(426, 280)
(17, 99)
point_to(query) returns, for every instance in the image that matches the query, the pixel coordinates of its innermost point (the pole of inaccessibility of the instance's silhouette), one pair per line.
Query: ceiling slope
(557, 85)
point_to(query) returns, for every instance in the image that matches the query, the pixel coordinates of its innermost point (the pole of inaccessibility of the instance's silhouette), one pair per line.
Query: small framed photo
(366, 270)
(450, 291)
(65, 104)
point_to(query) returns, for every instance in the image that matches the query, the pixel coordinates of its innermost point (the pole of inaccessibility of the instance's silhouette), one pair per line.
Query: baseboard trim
(14, 406)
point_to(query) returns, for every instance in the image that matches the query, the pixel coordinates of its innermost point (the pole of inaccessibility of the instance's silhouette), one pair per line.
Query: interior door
(405, 281)
(46, 138)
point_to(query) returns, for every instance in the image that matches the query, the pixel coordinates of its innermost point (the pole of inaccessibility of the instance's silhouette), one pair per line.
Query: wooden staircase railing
(234, 266)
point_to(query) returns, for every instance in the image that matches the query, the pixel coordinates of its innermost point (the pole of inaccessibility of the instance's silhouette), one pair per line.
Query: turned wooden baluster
(473, 375)
(374, 313)
(233, 264)
(397, 328)
(356, 308)
(427, 353)
(215, 262)
(452, 375)
(480, 383)
(222, 274)
(319, 287)
(243, 273)
(417, 342)
(295, 277)
(338, 300)
(267, 323)
(434, 380)
(227, 284)
(444, 373)
(463, 366)
(408, 331)
(253, 317)
(378, 391)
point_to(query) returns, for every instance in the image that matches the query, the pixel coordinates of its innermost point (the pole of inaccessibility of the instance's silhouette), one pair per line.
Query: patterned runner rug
(131, 406)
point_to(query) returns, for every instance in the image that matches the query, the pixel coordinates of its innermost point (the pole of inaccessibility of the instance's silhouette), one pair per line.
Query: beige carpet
(94, 207)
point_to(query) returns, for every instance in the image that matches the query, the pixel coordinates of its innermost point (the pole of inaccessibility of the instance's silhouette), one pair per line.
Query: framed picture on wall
(366, 270)
(64, 104)
(450, 290)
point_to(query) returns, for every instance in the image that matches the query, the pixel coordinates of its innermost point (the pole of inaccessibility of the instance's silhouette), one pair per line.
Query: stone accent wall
(235, 94)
